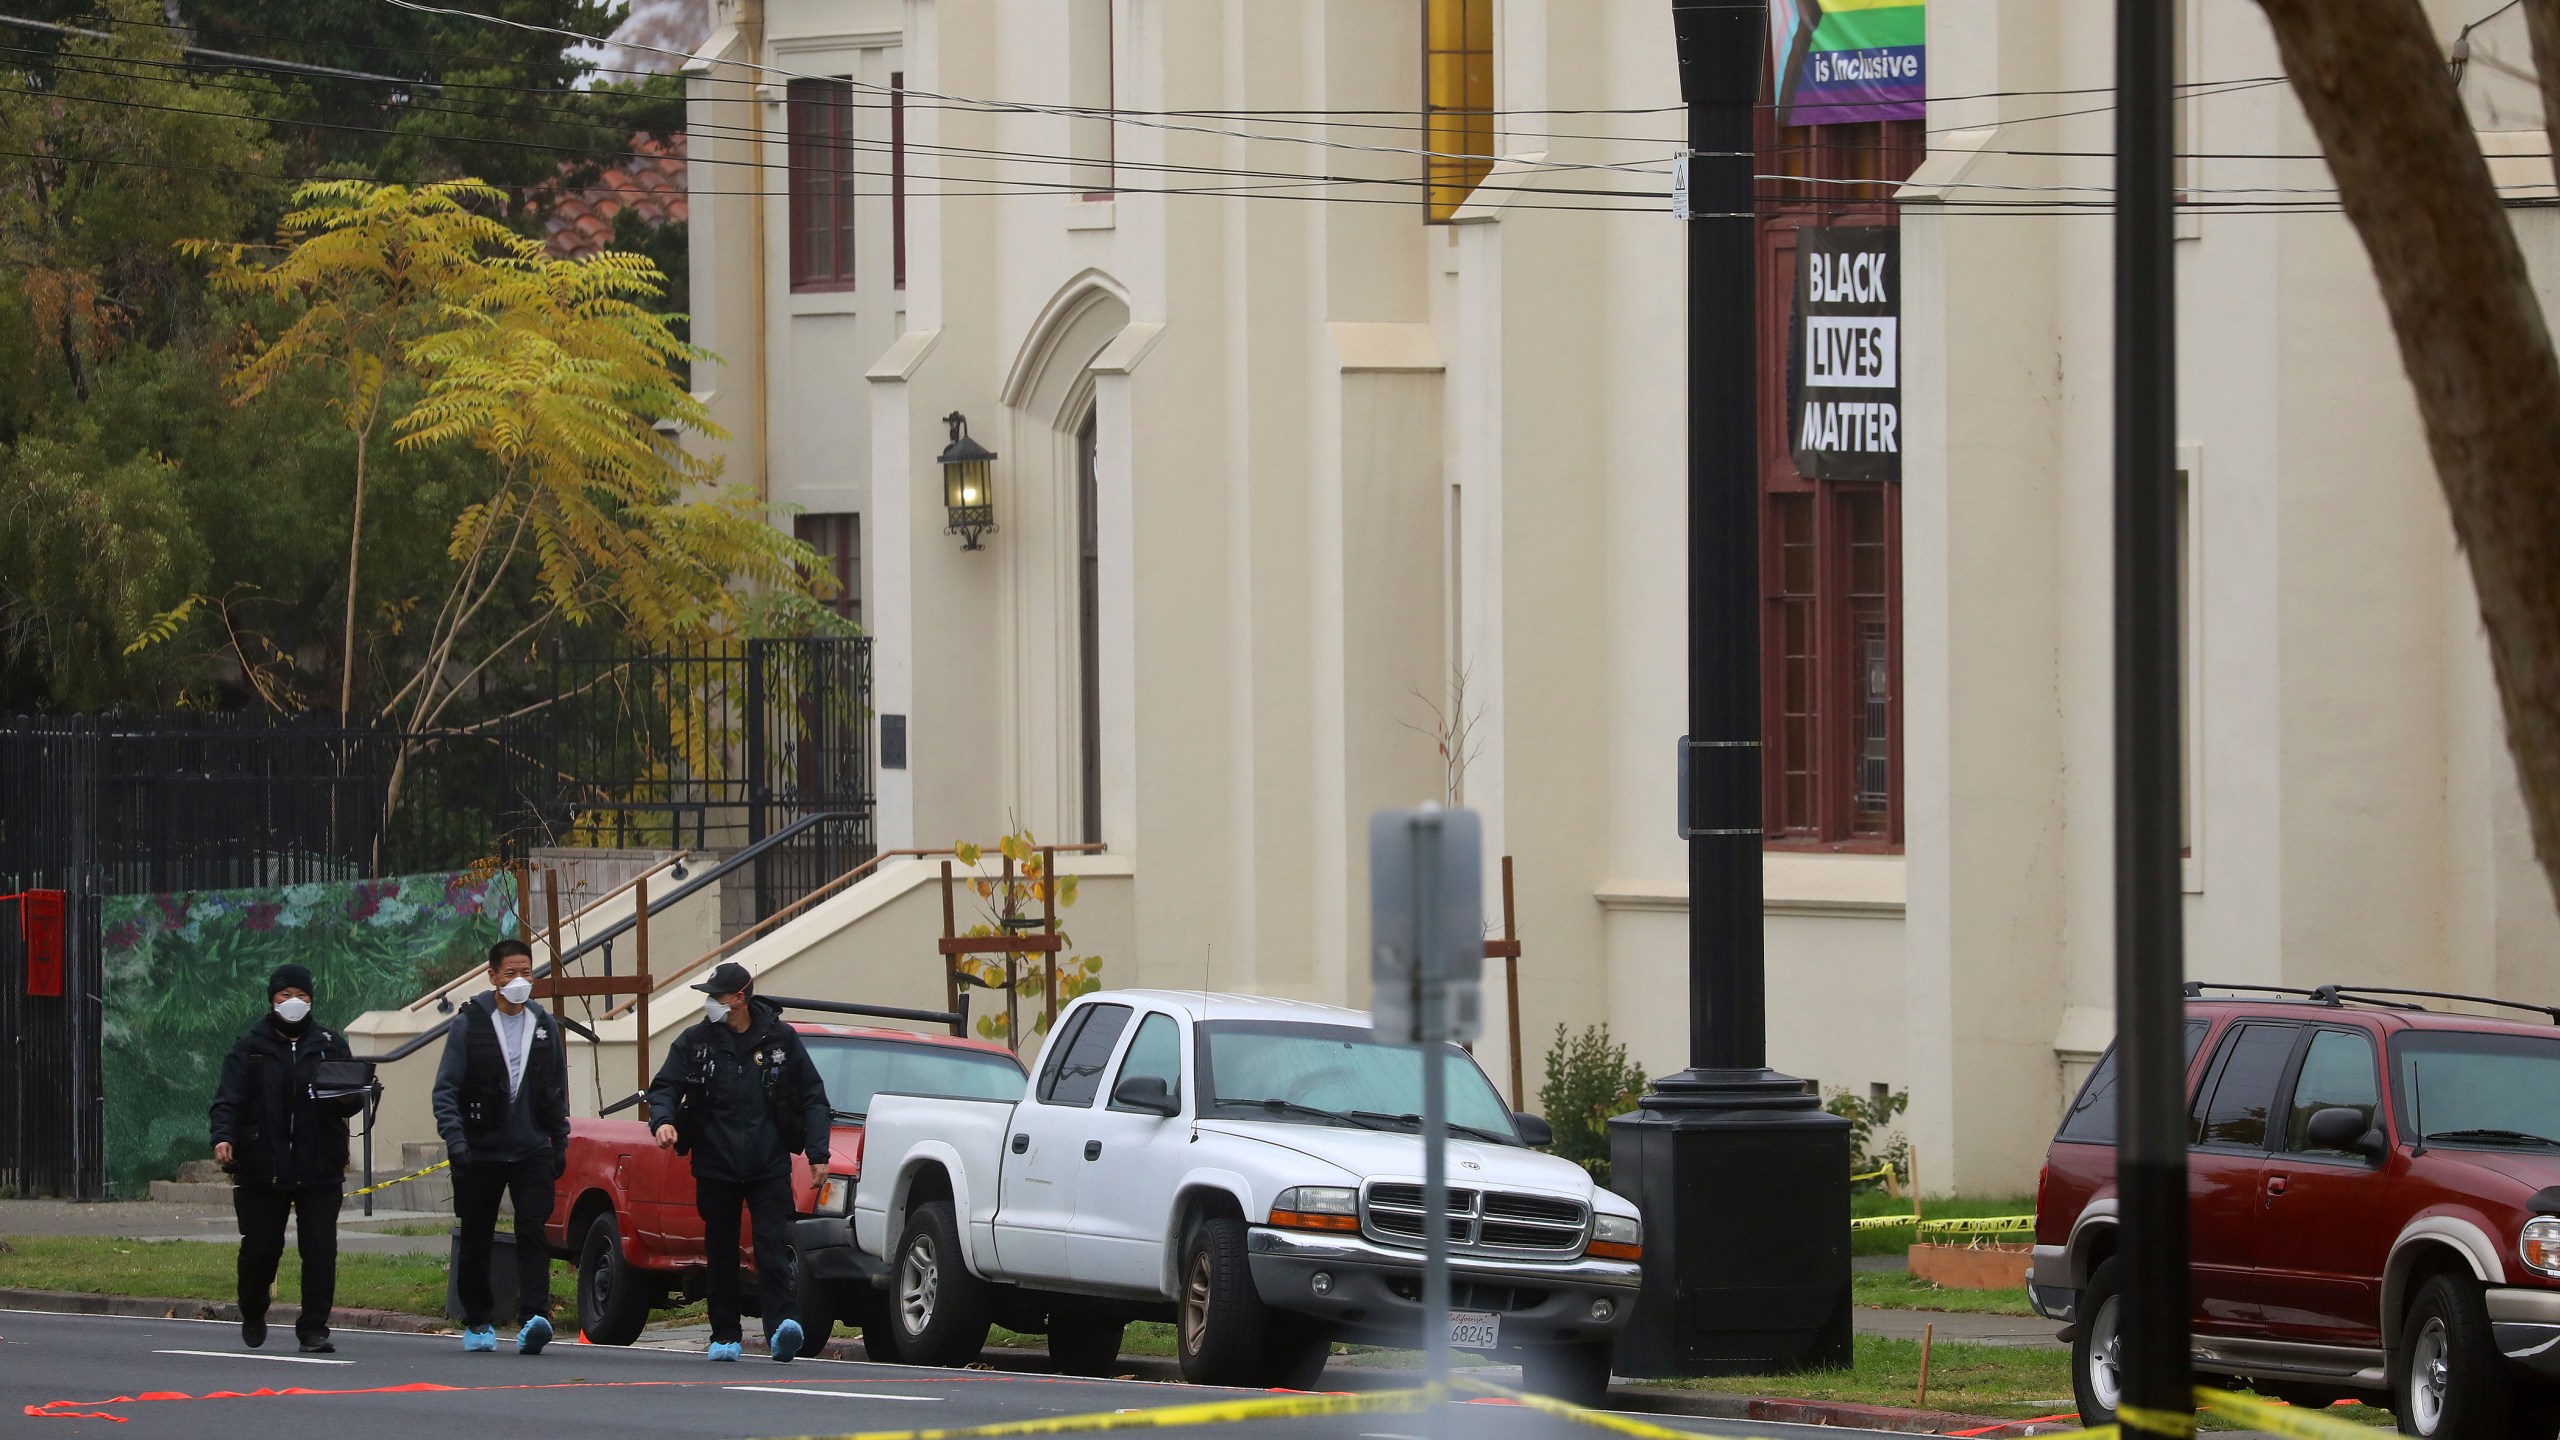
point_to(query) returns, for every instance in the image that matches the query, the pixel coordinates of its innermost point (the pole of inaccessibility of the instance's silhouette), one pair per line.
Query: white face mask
(517, 991)
(291, 1009)
(713, 1010)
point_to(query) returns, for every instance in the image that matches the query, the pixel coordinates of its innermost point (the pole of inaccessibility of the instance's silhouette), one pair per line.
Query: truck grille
(1480, 1221)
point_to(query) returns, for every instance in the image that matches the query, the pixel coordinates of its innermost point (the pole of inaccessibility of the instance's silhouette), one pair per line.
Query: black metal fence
(709, 749)
(52, 1133)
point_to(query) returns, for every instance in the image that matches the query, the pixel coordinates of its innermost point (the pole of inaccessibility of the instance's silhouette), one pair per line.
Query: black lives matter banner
(1844, 371)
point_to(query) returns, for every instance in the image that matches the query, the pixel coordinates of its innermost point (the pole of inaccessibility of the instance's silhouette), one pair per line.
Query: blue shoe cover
(535, 1334)
(725, 1350)
(784, 1342)
(480, 1337)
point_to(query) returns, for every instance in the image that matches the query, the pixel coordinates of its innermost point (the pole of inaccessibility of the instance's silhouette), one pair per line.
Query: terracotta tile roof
(651, 181)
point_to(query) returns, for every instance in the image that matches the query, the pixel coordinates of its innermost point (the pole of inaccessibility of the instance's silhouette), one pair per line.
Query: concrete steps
(427, 1192)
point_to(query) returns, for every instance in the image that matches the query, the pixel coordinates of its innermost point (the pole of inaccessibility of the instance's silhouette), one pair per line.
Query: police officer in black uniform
(502, 1106)
(287, 1154)
(739, 1094)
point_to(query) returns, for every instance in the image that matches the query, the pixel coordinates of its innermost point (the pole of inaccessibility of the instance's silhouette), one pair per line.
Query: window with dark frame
(838, 541)
(823, 183)
(1831, 551)
(898, 179)
(1457, 93)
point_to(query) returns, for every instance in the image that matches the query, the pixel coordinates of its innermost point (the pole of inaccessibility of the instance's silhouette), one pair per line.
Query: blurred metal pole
(2151, 1153)
(1431, 1001)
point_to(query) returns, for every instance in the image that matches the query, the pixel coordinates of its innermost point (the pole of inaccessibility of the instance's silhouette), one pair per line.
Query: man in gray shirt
(502, 1105)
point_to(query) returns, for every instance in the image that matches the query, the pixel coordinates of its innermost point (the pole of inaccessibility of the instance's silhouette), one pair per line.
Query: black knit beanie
(290, 976)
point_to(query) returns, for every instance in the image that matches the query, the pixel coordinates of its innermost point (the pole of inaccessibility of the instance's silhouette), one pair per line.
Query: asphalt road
(60, 1375)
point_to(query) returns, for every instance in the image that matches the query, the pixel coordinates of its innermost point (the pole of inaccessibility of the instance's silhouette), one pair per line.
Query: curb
(280, 1315)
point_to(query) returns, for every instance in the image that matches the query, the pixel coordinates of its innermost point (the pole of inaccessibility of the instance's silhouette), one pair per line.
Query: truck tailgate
(965, 1138)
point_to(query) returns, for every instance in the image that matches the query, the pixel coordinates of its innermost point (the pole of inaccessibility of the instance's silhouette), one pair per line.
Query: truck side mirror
(1146, 1093)
(2337, 1127)
(1534, 1130)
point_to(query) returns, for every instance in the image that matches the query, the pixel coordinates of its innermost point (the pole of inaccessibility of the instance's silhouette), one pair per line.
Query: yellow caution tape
(1995, 1225)
(2258, 1414)
(2288, 1420)
(1878, 1173)
(1990, 1225)
(412, 1175)
(1217, 1412)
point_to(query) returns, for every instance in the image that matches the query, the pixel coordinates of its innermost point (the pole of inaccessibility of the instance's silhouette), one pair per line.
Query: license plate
(1475, 1330)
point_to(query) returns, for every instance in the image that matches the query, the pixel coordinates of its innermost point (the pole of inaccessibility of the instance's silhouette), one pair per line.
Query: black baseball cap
(730, 978)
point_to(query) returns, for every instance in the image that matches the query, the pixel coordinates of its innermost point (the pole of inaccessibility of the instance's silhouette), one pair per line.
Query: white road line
(254, 1355)
(830, 1394)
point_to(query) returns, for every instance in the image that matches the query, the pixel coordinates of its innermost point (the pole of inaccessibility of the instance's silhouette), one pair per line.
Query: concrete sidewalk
(2026, 1332)
(160, 1220)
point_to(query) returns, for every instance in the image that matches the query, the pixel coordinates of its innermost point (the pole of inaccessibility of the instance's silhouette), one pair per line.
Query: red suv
(2374, 1209)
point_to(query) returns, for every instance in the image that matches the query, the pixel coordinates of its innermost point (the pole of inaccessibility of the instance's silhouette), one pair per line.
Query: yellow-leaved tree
(444, 328)
(1010, 906)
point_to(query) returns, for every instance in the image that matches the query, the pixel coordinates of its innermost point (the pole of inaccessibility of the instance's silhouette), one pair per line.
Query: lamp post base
(1743, 1179)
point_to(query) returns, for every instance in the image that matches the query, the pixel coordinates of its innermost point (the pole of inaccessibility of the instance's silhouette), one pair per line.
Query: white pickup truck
(1252, 1173)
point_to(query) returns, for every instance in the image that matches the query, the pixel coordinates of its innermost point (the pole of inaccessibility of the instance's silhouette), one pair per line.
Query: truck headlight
(1616, 1237)
(1317, 1207)
(2539, 1245)
(836, 1196)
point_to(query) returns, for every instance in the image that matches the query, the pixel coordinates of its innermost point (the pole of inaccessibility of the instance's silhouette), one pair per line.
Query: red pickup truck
(2374, 1209)
(623, 1210)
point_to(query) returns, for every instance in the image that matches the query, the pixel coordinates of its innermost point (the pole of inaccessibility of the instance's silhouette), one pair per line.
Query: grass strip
(1998, 1381)
(1899, 1290)
(205, 1270)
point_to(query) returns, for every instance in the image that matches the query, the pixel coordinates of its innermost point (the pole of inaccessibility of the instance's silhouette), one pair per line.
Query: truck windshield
(856, 1070)
(1337, 1075)
(2487, 1090)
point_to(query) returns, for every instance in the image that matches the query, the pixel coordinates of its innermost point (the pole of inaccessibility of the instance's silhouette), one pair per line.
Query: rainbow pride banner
(1842, 61)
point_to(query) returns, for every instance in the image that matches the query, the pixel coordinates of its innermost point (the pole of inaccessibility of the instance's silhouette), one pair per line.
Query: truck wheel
(1223, 1319)
(1295, 1354)
(1575, 1374)
(1084, 1345)
(819, 1306)
(2448, 1379)
(613, 1296)
(880, 1341)
(2097, 1351)
(938, 1311)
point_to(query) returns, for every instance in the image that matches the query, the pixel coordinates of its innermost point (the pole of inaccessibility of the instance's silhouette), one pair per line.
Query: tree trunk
(355, 554)
(2412, 180)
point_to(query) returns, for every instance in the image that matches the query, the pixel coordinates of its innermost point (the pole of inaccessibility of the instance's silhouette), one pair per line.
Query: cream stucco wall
(1345, 456)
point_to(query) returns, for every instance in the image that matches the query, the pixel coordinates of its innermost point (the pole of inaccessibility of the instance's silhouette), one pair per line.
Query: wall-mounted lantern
(968, 484)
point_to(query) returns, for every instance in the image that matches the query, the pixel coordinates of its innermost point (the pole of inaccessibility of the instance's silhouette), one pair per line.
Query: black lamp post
(968, 484)
(1742, 1177)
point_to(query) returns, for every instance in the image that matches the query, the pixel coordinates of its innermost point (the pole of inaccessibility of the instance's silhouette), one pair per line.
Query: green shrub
(1871, 1142)
(1588, 1080)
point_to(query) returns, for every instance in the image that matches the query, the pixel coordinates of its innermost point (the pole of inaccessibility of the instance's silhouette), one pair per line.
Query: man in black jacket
(739, 1093)
(502, 1106)
(287, 1154)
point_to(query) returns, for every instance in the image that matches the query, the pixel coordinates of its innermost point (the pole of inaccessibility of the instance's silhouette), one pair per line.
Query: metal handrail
(957, 1019)
(738, 860)
(830, 887)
